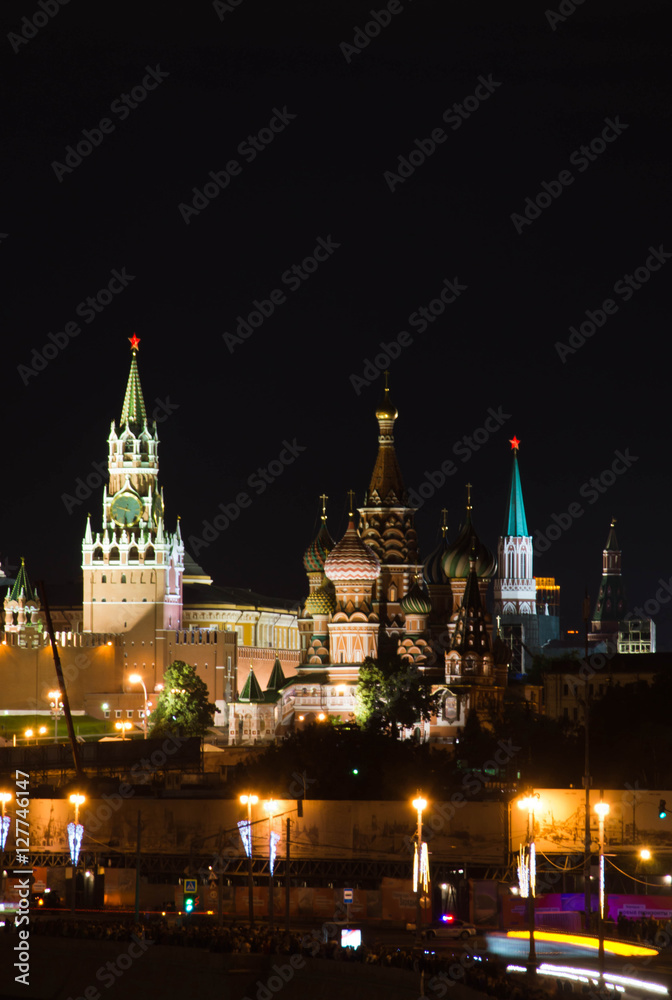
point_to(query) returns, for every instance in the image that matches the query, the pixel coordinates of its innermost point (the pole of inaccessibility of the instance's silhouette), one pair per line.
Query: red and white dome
(351, 559)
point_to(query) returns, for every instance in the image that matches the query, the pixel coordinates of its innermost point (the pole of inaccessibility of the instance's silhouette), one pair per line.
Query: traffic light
(190, 889)
(662, 811)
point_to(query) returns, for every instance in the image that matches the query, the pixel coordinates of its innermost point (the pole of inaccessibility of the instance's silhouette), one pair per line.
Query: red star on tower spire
(514, 442)
(134, 341)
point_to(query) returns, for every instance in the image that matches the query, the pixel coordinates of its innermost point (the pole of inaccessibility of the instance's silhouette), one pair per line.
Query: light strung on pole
(421, 869)
(75, 835)
(274, 840)
(246, 836)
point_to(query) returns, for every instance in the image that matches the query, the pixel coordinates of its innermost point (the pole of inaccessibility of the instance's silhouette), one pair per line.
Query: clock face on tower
(126, 509)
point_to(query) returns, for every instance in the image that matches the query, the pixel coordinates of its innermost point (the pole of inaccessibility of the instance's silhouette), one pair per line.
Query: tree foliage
(391, 696)
(183, 707)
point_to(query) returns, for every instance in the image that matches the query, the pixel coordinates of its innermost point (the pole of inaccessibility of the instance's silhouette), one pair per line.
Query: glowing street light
(602, 810)
(124, 727)
(645, 854)
(56, 708)
(420, 864)
(246, 836)
(530, 803)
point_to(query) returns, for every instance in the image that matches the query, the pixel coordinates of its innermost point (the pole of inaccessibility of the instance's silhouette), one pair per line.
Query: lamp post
(602, 810)
(124, 727)
(249, 801)
(56, 706)
(529, 803)
(5, 797)
(273, 839)
(137, 679)
(420, 874)
(75, 836)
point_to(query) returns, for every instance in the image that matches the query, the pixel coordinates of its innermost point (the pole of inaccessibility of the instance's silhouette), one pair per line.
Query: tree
(392, 697)
(183, 707)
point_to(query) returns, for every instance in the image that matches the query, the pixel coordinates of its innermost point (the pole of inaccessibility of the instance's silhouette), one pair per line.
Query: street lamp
(602, 810)
(420, 864)
(56, 706)
(249, 801)
(5, 797)
(137, 679)
(75, 836)
(530, 802)
(124, 727)
(273, 839)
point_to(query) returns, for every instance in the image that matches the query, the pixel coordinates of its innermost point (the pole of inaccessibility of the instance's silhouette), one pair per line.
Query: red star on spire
(514, 442)
(134, 341)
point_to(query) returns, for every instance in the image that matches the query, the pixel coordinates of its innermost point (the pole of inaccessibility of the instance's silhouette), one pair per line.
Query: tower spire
(133, 411)
(515, 524)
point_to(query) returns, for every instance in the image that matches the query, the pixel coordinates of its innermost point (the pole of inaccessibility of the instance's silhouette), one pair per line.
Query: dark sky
(346, 117)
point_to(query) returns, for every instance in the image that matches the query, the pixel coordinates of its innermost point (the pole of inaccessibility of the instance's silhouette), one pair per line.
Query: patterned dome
(318, 550)
(351, 559)
(432, 570)
(456, 558)
(416, 601)
(322, 601)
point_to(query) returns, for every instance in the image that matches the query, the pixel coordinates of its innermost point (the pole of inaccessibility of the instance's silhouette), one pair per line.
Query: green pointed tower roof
(277, 678)
(22, 585)
(133, 410)
(251, 691)
(515, 523)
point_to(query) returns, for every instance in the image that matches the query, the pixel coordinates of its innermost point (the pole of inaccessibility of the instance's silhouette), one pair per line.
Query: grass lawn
(85, 726)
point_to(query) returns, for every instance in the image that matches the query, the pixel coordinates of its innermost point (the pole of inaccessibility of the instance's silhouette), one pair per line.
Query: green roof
(133, 411)
(22, 585)
(516, 523)
(277, 678)
(251, 691)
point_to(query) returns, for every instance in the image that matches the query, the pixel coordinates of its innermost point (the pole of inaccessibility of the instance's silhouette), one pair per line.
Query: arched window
(123, 578)
(98, 554)
(114, 554)
(149, 553)
(133, 554)
(103, 578)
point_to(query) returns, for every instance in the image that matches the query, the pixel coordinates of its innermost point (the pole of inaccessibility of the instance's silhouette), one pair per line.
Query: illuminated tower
(515, 589)
(133, 567)
(321, 601)
(22, 607)
(386, 525)
(610, 605)
(353, 568)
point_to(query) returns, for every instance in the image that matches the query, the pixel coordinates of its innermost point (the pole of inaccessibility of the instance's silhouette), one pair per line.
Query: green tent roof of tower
(515, 524)
(133, 411)
(22, 585)
(251, 691)
(277, 678)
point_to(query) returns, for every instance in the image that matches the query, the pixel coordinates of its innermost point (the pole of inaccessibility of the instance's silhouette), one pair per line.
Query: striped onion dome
(416, 601)
(322, 601)
(432, 569)
(351, 559)
(318, 550)
(457, 556)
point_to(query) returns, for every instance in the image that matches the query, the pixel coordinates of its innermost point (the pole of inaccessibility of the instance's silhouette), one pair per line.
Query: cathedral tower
(133, 567)
(386, 525)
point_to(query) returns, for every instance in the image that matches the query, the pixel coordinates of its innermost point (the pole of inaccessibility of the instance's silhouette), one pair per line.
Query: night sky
(409, 162)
